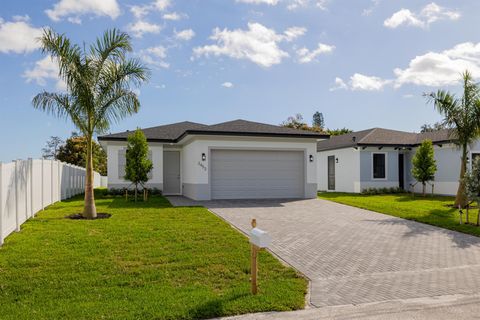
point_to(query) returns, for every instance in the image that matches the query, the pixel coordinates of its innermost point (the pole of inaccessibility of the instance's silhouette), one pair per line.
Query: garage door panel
(257, 174)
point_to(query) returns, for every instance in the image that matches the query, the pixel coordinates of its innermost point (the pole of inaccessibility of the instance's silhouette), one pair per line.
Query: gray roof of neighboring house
(176, 131)
(383, 137)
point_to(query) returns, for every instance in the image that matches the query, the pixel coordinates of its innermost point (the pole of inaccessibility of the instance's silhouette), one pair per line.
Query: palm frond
(61, 106)
(120, 104)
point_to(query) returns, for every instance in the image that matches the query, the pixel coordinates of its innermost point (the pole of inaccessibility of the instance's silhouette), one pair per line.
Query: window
(379, 166)
(121, 163)
(475, 155)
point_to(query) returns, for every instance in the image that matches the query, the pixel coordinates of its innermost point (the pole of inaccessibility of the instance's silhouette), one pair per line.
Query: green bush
(374, 191)
(121, 191)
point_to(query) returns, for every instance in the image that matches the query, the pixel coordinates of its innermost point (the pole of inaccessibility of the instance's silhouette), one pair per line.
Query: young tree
(99, 81)
(51, 148)
(138, 164)
(472, 184)
(424, 164)
(74, 151)
(338, 132)
(318, 120)
(462, 117)
(296, 122)
(431, 128)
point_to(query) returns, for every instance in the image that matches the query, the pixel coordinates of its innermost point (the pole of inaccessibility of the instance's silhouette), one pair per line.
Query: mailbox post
(258, 239)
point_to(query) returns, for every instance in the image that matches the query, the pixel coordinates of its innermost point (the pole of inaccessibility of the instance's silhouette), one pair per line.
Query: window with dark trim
(379, 168)
(475, 155)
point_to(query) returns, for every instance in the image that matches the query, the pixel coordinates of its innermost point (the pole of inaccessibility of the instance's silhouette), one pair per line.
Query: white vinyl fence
(28, 186)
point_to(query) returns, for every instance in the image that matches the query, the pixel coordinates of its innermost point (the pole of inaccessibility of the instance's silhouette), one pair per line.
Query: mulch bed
(78, 216)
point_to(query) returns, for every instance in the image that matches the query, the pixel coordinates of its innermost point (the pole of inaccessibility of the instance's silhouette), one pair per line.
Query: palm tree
(462, 117)
(99, 84)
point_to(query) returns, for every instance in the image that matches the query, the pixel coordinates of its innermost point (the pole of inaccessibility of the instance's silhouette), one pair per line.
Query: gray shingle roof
(167, 132)
(176, 131)
(382, 137)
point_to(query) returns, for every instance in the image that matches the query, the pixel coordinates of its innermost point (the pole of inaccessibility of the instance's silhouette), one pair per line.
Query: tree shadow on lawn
(213, 307)
(415, 229)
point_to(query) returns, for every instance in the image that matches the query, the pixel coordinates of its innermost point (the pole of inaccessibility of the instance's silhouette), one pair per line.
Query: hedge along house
(231, 160)
(379, 158)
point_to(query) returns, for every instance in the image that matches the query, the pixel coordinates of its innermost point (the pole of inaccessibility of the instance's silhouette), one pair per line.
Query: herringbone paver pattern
(355, 256)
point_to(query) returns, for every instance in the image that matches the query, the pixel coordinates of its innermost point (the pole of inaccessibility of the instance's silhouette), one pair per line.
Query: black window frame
(376, 174)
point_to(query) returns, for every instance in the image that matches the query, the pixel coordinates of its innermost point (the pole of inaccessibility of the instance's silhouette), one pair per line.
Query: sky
(362, 63)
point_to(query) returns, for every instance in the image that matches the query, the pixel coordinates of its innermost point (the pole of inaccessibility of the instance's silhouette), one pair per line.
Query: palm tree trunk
(89, 209)
(461, 198)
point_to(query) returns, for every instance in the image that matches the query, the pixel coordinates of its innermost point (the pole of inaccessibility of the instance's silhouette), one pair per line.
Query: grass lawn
(148, 261)
(431, 210)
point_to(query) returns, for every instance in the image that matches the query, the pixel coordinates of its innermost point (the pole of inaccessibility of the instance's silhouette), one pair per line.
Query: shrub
(385, 190)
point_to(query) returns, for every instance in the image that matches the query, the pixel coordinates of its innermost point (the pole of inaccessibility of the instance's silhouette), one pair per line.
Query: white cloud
(296, 4)
(294, 32)
(18, 36)
(304, 55)
(339, 85)
(269, 2)
(155, 56)
(174, 16)
(258, 44)
(141, 11)
(374, 4)
(45, 69)
(432, 69)
(360, 82)
(76, 8)
(428, 15)
(186, 34)
(441, 68)
(368, 83)
(140, 27)
(227, 84)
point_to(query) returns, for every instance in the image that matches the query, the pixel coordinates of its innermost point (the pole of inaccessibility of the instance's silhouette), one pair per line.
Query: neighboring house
(231, 160)
(378, 158)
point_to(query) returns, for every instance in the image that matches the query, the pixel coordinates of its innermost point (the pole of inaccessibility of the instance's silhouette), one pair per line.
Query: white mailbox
(260, 238)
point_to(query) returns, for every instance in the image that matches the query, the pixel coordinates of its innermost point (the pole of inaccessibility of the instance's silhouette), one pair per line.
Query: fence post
(27, 172)
(59, 171)
(51, 182)
(30, 168)
(43, 185)
(16, 197)
(1, 204)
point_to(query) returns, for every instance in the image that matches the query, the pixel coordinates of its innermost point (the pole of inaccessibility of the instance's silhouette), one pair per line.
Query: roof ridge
(368, 134)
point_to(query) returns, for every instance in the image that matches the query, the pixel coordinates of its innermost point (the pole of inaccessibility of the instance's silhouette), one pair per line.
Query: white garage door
(240, 174)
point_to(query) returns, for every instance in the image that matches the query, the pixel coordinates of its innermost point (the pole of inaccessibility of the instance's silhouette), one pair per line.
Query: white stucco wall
(196, 171)
(112, 164)
(347, 170)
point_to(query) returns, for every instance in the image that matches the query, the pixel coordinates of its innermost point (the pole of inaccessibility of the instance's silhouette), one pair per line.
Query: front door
(401, 177)
(331, 173)
(171, 172)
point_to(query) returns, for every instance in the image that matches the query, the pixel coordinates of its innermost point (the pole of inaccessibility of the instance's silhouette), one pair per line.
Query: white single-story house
(379, 158)
(231, 160)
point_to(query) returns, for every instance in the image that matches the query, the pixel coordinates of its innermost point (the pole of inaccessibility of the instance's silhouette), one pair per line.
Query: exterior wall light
(336, 160)
(310, 157)
(204, 157)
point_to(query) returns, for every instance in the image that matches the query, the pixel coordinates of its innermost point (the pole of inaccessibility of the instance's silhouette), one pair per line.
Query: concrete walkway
(354, 256)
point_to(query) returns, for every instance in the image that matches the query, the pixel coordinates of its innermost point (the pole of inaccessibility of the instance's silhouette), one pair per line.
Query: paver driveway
(355, 256)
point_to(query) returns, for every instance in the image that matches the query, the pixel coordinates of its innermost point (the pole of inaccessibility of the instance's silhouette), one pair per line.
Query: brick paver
(355, 256)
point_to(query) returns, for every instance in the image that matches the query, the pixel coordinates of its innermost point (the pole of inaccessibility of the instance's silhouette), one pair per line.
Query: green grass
(437, 210)
(148, 261)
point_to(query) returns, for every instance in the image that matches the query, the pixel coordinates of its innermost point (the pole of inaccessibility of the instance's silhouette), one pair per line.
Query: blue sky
(363, 63)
